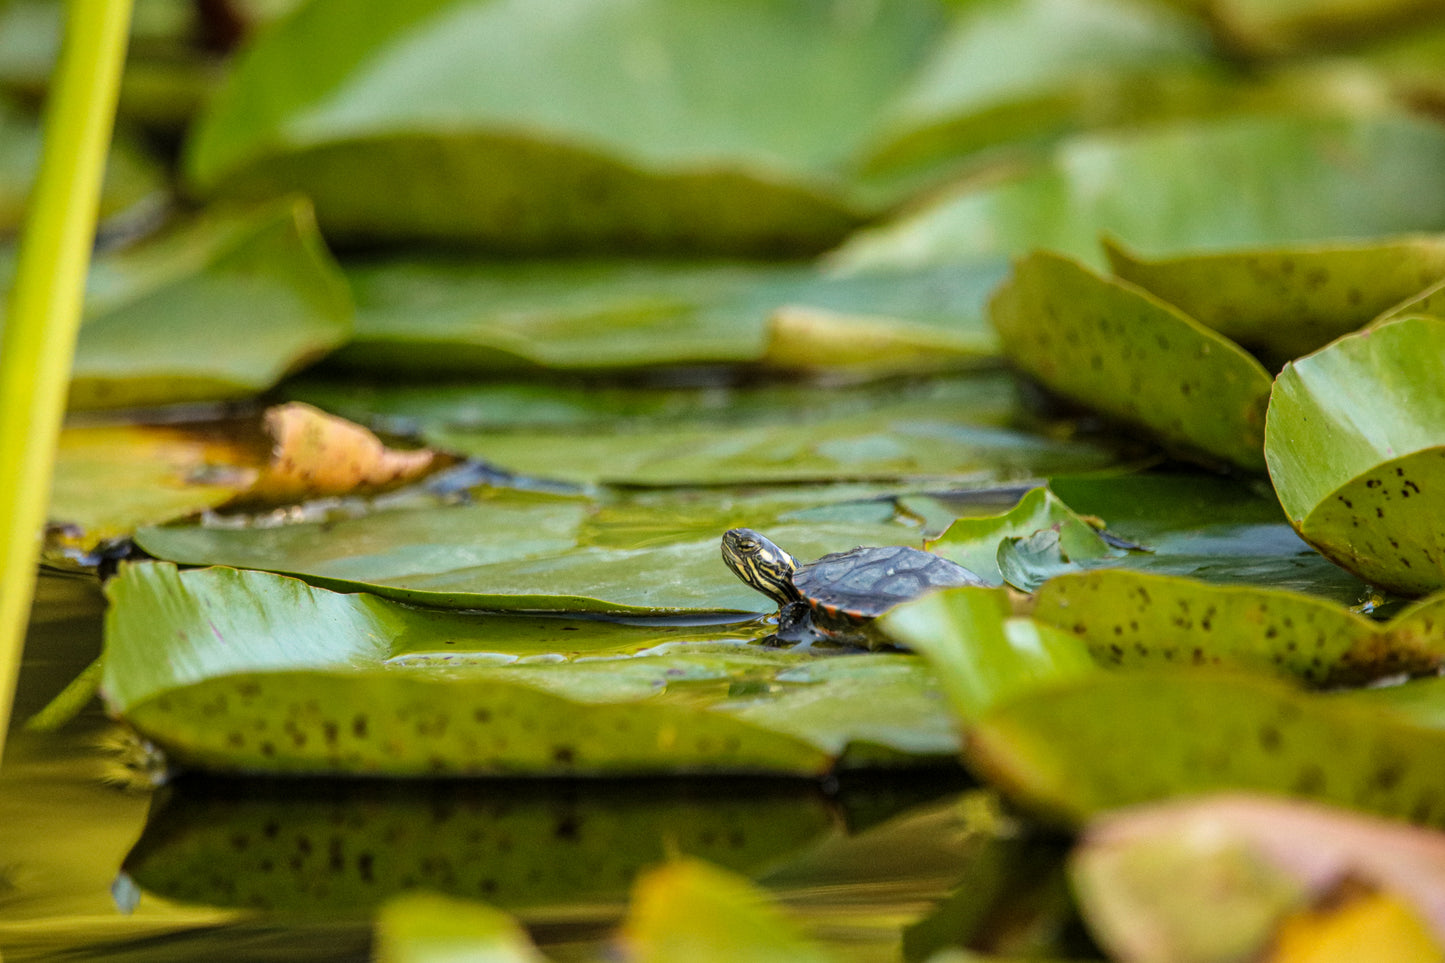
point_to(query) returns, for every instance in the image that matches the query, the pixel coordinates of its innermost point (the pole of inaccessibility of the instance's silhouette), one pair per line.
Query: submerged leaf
(1117, 349)
(1356, 450)
(1112, 739)
(1285, 302)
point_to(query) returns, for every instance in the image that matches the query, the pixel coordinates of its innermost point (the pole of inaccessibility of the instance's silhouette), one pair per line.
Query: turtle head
(760, 563)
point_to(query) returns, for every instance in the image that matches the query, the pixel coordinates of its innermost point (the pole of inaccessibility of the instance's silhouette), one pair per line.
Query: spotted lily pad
(262, 673)
(458, 316)
(1187, 187)
(1285, 302)
(1113, 347)
(1356, 451)
(1116, 739)
(1138, 619)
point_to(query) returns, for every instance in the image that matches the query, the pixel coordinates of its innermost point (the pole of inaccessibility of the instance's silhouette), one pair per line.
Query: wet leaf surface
(1287, 302)
(1355, 450)
(1113, 348)
(1113, 739)
(466, 316)
(267, 674)
(1135, 619)
(1187, 187)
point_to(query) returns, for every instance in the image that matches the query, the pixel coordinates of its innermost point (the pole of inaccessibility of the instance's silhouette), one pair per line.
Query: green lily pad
(1137, 619)
(463, 316)
(688, 910)
(1244, 181)
(1267, 27)
(1225, 531)
(982, 657)
(1355, 444)
(525, 846)
(1118, 739)
(519, 551)
(1016, 70)
(263, 673)
(974, 542)
(1123, 352)
(650, 124)
(1286, 302)
(427, 928)
(153, 312)
(132, 179)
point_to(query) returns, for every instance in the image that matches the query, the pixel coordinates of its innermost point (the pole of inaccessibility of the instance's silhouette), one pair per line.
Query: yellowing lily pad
(1137, 619)
(1356, 450)
(1286, 302)
(1115, 348)
(1116, 739)
(262, 673)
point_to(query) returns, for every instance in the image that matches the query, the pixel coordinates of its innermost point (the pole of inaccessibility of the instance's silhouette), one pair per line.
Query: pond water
(95, 863)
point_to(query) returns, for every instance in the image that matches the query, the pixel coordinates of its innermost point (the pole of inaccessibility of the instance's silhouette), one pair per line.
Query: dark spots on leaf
(329, 732)
(1379, 513)
(566, 829)
(1354, 296)
(239, 842)
(1311, 781)
(268, 749)
(235, 740)
(335, 855)
(1387, 775)
(271, 830)
(1270, 739)
(482, 715)
(564, 755)
(359, 727)
(1347, 503)
(364, 863)
(1096, 362)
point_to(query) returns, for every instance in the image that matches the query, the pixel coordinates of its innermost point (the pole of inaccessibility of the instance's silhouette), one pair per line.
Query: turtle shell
(866, 582)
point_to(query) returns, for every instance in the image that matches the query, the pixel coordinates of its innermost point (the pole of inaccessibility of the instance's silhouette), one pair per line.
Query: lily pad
(1266, 27)
(1236, 182)
(974, 542)
(526, 846)
(1356, 451)
(265, 673)
(1286, 302)
(157, 313)
(1107, 740)
(1118, 349)
(461, 317)
(1137, 619)
(649, 124)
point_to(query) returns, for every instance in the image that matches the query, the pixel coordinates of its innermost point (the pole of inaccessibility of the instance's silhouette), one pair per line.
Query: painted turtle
(838, 596)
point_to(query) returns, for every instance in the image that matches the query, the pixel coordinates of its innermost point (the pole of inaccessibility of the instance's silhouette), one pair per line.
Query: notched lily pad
(1286, 302)
(1356, 450)
(1136, 619)
(1117, 739)
(1115, 348)
(261, 673)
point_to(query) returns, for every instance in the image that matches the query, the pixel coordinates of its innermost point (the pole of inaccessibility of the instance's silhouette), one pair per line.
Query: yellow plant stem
(38, 342)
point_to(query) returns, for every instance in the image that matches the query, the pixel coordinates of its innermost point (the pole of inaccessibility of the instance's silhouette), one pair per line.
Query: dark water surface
(96, 863)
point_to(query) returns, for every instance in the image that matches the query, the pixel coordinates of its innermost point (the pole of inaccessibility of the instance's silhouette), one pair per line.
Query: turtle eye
(748, 546)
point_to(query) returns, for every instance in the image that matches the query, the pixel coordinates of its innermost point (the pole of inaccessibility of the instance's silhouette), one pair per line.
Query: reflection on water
(292, 869)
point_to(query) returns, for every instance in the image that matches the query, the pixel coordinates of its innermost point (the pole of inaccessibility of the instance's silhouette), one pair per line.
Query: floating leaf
(1267, 27)
(1119, 350)
(705, 126)
(158, 313)
(427, 928)
(974, 541)
(263, 673)
(1217, 878)
(1137, 619)
(1356, 450)
(687, 910)
(1242, 181)
(1285, 302)
(1116, 739)
(439, 315)
(982, 657)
